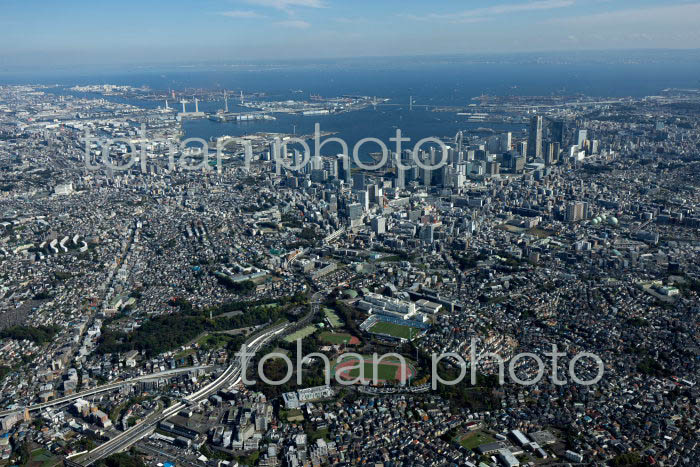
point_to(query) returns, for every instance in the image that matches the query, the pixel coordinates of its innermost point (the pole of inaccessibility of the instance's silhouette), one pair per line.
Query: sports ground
(333, 318)
(389, 369)
(336, 338)
(301, 334)
(394, 330)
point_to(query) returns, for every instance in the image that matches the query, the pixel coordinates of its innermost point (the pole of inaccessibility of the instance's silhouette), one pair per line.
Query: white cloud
(294, 23)
(680, 14)
(482, 14)
(656, 26)
(241, 14)
(288, 4)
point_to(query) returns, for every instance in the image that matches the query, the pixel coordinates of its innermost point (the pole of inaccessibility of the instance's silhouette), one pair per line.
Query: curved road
(230, 377)
(104, 388)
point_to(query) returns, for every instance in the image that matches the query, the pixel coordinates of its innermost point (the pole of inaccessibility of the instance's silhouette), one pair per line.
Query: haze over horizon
(180, 31)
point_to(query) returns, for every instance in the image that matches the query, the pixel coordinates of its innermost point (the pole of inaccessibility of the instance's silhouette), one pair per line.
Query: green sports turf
(384, 372)
(332, 318)
(395, 330)
(335, 337)
(302, 333)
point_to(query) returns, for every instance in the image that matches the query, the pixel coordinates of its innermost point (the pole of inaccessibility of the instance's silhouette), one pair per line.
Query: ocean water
(444, 82)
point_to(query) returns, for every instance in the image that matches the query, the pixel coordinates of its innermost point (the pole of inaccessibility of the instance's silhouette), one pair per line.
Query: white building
(64, 189)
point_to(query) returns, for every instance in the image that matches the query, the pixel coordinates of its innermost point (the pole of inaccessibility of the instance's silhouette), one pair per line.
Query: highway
(105, 388)
(230, 377)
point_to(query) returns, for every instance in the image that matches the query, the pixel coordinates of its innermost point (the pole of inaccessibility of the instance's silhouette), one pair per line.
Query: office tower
(493, 144)
(379, 225)
(343, 171)
(358, 181)
(354, 211)
(427, 233)
(493, 168)
(575, 212)
(522, 148)
(441, 175)
(581, 138)
(374, 191)
(318, 176)
(506, 141)
(400, 181)
(316, 163)
(297, 160)
(458, 180)
(451, 156)
(534, 143)
(426, 176)
(477, 168)
(363, 198)
(551, 155)
(558, 132)
(518, 164)
(331, 165)
(548, 154)
(507, 159)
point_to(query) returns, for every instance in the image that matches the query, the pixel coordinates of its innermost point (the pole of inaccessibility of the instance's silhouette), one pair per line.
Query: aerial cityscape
(427, 256)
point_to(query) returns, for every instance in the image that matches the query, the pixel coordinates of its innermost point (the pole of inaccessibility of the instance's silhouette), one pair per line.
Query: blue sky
(153, 31)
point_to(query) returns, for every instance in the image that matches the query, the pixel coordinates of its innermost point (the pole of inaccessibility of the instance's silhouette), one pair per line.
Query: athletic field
(301, 333)
(332, 318)
(394, 330)
(389, 369)
(336, 338)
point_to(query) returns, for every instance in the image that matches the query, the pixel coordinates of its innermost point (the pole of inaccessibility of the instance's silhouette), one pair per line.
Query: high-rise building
(358, 181)
(518, 164)
(459, 141)
(427, 233)
(493, 168)
(558, 132)
(401, 174)
(332, 167)
(343, 171)
(318, 176)
(354, 211)
(379, 225)
(522, 148)
(551, 155)
(506, 141)
(426, 175)
(375, 193)
(534, 143)
(575, 211)
(581, 138)
(363, 198)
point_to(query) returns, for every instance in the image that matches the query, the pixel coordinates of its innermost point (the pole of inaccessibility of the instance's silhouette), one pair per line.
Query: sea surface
(433, 82)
